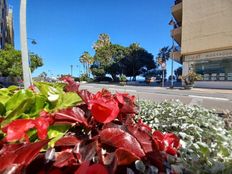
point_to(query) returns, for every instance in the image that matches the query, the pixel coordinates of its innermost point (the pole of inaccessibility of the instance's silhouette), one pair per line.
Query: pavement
(218, 99)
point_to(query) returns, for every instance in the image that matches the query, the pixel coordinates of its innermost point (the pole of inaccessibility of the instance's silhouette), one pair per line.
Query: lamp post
(33, 41)
(163, 66)
(24, 48)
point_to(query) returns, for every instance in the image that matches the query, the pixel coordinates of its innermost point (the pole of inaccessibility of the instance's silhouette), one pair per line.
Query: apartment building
(10, 28)
(203, 30)
(6, 26)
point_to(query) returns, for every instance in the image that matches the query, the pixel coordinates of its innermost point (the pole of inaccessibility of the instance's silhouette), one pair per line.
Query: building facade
(203, 30)
(6, 26)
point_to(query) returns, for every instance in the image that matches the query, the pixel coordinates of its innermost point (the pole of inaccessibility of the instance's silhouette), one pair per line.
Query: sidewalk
(219, 91)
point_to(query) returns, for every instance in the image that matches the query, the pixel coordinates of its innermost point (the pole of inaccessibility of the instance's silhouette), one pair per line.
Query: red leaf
(17, 129)
(87, 150)
(67, 141)
(83, 168)
(28, 152)
(104, 112)
(104, 107)
(85, 95)
(71, 86)
(156, 159)
(97, 169)
(144, 126)
(168, 142)
(72, 115)
(13, 169)
(121, 139)
(20, 154)
(64, 159)
(143, 138)
(126, 103)
(124, 157)
(41, 125)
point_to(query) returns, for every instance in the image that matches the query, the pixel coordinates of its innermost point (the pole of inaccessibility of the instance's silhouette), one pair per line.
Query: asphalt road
(220, 100)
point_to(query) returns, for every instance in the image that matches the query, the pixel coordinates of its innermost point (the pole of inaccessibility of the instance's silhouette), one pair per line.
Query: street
(220, 100)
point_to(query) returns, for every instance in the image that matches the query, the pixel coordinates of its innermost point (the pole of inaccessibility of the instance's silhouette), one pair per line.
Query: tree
(103, 40)
(137, 58)
(86, 59)
(164, 53)
(116, 59)
(178, 73)
(107, 60)
(11, 62)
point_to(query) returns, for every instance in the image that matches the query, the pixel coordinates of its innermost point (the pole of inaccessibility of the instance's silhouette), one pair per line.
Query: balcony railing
(177, 12)
(176, 34)
(178, 1)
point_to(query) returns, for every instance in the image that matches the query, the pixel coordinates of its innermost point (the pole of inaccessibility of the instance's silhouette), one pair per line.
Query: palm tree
(164, 53)
(86, 59)
(103, 40)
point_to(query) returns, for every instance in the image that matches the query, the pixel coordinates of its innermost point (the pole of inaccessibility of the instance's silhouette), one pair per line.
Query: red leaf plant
(168, 142)
(103, 139)
(17, 129)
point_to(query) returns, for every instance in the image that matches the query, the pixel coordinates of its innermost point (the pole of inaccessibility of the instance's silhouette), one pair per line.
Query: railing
(177, 1)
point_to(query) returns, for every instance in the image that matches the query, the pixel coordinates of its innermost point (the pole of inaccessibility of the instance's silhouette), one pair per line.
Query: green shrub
(206, 144)
(122, 78)
(85, 77)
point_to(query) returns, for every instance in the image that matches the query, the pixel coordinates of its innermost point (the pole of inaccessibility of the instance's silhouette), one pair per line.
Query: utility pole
(174, 24)
(71, 70)
(24, 49)
(172, 63)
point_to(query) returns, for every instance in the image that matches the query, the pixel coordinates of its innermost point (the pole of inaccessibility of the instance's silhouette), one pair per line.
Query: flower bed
(57, 128)
(206, 141)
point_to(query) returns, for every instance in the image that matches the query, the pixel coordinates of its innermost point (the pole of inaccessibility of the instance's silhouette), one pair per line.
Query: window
(214, 70)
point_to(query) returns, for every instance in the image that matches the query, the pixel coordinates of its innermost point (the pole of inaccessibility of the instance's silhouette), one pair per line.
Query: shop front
(214, 67)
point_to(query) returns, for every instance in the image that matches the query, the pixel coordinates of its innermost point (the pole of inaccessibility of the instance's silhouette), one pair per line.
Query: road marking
(211, 98)
(196, 101)
(88, 86)
(120, 89)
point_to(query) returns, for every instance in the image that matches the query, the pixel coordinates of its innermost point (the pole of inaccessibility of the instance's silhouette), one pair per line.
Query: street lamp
(33, 41)
(24, 48)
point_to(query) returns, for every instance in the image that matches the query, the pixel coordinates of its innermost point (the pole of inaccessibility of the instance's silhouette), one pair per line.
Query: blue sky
(65, 29)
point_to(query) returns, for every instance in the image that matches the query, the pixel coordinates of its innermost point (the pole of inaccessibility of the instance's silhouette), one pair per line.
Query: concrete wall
(206, 25)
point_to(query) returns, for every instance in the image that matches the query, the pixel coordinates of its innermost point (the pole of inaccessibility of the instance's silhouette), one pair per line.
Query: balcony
(176, 56)
(178, 1)
(177, 11)
(176, 35)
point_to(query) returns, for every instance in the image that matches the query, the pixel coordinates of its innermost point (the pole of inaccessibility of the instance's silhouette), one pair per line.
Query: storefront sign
(210, 55)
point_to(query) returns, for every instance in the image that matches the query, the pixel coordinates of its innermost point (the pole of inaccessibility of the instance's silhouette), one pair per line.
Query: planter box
(122, 83)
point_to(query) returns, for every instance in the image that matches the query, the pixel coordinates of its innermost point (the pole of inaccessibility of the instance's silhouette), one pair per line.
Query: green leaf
(56, 132)
(2, 109)
(17, 99)
(13, 88)
(16, 112)
(19, 103)
(204, 148)
(45, 88)
(67, 100)
(4, 95)
(38, 106)
(224, 152)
